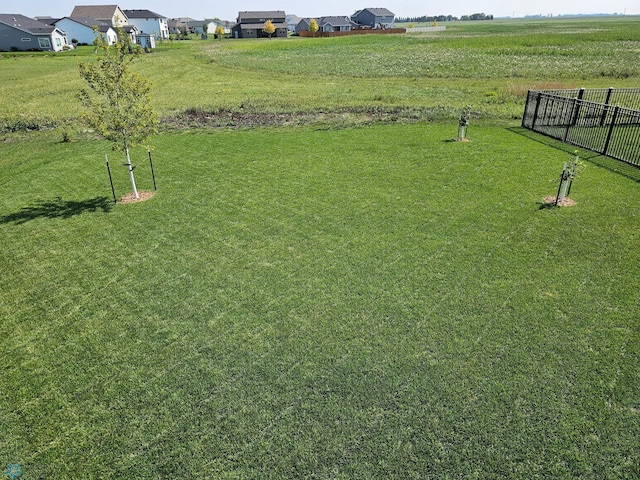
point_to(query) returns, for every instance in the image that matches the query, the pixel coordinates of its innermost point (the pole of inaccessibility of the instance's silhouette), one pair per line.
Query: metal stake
(153, 175)
(113, 191)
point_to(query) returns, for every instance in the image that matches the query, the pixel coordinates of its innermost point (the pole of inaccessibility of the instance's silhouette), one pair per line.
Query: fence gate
(591, 119)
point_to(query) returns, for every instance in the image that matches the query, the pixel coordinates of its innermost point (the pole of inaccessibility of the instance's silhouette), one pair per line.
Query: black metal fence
(591, 119)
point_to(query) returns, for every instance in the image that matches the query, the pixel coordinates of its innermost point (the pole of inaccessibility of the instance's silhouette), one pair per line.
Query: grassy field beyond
(374, 302)
(488, 65)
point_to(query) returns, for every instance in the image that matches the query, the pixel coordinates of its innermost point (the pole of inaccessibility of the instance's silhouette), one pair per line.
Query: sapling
(463, 123)
(117, 100)
(569, 172)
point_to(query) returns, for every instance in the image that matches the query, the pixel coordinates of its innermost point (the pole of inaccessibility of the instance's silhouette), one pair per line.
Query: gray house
(302, 25)
(327, 24)
(374, 18)
(18, 32)
(251, 24)
(335, 24)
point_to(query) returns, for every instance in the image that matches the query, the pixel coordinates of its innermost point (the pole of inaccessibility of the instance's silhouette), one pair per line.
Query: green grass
(298, 303)
(321, 301)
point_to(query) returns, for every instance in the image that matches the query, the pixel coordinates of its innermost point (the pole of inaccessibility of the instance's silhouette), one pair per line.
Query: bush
(11, 125)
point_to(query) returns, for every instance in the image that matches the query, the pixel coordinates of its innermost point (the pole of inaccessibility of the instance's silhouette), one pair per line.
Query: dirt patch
(567, 202)
(142, 196)
(245, 118)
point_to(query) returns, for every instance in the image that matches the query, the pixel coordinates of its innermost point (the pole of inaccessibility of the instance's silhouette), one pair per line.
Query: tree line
(444, 18)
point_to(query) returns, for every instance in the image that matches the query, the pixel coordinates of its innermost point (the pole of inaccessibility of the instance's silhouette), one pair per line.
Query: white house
(81, 29)
(149, 22)
(18, 32)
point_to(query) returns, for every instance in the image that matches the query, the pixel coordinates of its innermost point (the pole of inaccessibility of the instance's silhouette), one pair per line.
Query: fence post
(535, 112)
(605, 110)
(610, 133)
(577, 103)
(570, 122)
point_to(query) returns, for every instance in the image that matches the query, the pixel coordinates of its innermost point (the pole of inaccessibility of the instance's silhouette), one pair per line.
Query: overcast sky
(228, 10)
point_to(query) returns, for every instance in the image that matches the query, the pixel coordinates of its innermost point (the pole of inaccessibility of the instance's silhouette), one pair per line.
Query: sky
(226, 10)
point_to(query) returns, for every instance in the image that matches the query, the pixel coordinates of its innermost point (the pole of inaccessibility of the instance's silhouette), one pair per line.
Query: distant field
(328, 286)
(489, 65)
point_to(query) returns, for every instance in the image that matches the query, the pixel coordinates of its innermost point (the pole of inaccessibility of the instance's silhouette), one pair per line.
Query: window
(44, 43)
(58, 42)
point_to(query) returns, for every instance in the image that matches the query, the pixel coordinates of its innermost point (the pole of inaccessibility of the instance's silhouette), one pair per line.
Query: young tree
(117, 100)
(269, 28)
(313, 27)
(220, 32)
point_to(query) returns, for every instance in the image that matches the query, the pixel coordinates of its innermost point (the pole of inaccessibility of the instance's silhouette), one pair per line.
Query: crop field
(324, 284)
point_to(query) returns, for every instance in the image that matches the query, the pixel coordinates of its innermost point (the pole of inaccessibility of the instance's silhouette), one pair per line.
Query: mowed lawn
(374, 302)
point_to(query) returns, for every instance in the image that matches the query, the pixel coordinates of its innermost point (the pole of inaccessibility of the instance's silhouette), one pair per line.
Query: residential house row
(18, 32)
(251, 24)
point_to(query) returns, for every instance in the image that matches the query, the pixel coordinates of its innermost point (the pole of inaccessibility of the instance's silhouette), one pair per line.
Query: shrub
(11, 125)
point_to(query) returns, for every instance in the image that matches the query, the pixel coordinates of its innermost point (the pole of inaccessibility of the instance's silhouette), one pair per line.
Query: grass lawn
(374, 302)
(322, 299)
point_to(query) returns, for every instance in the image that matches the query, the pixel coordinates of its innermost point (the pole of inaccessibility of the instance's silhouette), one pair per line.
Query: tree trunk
(130, 167)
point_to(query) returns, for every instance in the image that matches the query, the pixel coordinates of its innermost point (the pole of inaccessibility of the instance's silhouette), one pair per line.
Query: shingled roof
(267, 14)
(26, 24)
(378, 12)
(141, 14)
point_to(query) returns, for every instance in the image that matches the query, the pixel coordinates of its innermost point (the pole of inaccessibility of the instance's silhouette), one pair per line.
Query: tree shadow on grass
(611, 164)
(57, 208)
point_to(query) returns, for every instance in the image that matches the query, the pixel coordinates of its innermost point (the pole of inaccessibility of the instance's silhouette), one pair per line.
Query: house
(292, 21)
(111, 14)
(327, 24)
(183, 24)
(81, 29)
(212, 25)
(148, 22)
(132, 31)
(302, 26)
(374, 18)
(18, 32)
(335, 24)
(251, 24)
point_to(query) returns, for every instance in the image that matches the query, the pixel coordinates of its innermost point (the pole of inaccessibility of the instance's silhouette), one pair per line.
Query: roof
(26, 24)
(184, 20)
(141, 14)
(261, 14)
(378, 12)
(89, 22)
(47, 20)
(103, 27)
(95, 11)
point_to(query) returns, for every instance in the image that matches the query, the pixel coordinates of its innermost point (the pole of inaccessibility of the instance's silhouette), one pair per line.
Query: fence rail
(590, 119)
(356, 31)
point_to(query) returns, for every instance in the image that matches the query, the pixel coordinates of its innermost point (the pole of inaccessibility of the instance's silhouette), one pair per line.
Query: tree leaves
(117, 100)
